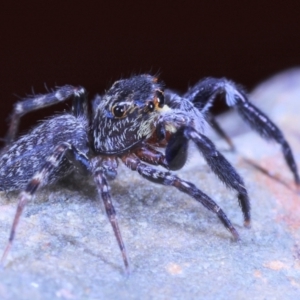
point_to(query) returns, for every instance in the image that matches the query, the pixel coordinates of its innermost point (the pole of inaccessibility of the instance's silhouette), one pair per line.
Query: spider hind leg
(205, 92)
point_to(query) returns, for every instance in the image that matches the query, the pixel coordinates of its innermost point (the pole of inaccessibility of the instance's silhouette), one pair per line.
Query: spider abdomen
(27, 155)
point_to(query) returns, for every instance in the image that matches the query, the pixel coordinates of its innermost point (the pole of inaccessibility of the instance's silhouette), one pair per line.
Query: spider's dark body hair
(129, 123)
(27, 155)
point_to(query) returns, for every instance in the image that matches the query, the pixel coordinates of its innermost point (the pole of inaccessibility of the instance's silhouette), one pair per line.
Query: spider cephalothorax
(135, 122)
(126, 114)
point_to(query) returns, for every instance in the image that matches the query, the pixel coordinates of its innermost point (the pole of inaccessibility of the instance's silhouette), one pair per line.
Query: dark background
(93, 45)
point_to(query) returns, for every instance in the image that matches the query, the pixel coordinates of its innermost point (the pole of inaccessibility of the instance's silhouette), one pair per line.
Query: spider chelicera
(132, 122)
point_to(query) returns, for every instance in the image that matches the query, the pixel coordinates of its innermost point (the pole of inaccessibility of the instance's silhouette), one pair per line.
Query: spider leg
(41, 179)
(166, 178)
(267, 129)
(40, 101)
(103, 190)
(176, 155)
(220, 166)
(206, 91)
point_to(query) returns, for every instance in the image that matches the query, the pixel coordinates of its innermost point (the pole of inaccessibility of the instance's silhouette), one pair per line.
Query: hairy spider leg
(269, 130)
(222, 168)
(168, 179)
(103, 190)
(36, 102)
(176, 150)
(204, 93)
(40, 179)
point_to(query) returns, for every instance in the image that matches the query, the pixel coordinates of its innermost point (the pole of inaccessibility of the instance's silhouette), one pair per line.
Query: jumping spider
(133, 119)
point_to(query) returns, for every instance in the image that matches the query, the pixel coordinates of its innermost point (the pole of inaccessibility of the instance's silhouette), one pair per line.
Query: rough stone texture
(65, 248)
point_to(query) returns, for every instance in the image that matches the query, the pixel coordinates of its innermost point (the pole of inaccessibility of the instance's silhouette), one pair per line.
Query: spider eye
(119, 111)
(160, 98)
(151, 106)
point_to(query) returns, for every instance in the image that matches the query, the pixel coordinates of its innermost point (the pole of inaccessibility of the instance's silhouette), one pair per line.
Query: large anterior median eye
(119, 110)
(160, 98)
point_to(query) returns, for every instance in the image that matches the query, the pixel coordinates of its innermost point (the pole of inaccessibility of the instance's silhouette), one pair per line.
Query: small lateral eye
(160, 98)
(119, 111)
(151, 106)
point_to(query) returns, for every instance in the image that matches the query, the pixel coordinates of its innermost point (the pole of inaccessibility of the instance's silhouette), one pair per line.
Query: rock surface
(65, 248)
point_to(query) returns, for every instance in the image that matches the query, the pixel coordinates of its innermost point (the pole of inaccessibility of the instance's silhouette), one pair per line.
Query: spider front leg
(177, 147)
(40, 101)
(166, 178)
(204, 93)
(98, 172)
